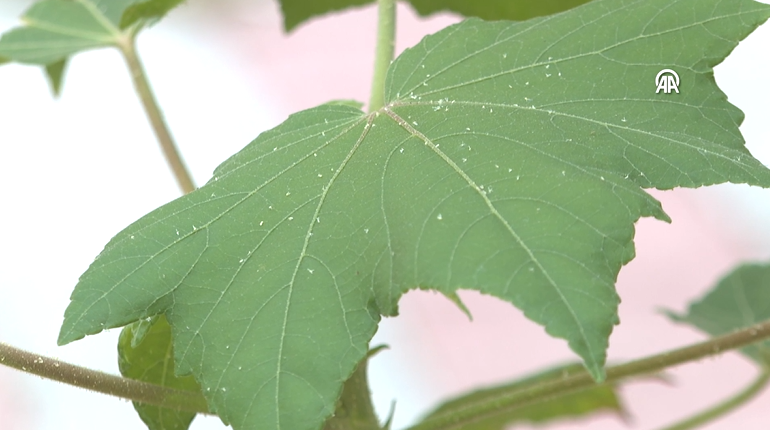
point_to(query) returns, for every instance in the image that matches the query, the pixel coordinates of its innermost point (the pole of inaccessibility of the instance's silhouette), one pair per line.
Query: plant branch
(151, 108)
(581, 380)
(102, 382)
(724, 407)
(386, 36)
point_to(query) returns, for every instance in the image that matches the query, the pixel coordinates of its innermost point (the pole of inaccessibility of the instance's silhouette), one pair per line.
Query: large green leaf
(295, 12)
(739, 300)
(598, 399)
(510, 158)
(145, 353)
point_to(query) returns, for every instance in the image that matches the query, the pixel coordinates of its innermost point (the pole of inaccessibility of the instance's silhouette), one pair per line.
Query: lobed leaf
(145, 353)
(54, 30)
(739, 300)
(597, 399)
(509, 158)
(295, 12)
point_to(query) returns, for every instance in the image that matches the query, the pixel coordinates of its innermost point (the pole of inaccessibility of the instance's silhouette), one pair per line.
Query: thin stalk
(581, 380)
(194, 402)
(386, 37)
(101, 382)
(151, 108)
(724, 407)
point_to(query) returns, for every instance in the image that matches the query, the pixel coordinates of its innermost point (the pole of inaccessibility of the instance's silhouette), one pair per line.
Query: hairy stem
(386, 36)
(724, 407)
(194, 402)
(101, 382)
(151, 108)
(581, 380)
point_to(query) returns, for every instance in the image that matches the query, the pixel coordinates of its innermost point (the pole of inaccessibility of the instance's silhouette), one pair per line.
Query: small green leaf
(295, 12)
(148, 10)
(598, 399)
(55, 74)
(739, 300)
(509, 158)
(152, 360)
(56, 29)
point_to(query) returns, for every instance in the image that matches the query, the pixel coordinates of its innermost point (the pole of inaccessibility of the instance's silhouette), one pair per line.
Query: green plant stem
(102, 382)
(581, 380)
(194, 402)
(151, 108)
(724, 407)
(386, 41)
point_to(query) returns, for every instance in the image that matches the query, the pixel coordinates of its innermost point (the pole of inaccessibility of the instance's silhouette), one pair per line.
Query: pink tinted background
(435, 350)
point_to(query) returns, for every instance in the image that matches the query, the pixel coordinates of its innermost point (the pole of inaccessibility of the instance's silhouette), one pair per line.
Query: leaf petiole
(386, 36)
(144, 91)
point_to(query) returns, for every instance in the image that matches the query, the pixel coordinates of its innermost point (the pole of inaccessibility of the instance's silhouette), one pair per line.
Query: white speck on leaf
(439, 217)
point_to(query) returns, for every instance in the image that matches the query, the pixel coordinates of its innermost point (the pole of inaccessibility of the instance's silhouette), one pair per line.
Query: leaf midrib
(196, 229)
(745, 167)
(72, 31)
(539, 63)
(428, 142)
(303, 254)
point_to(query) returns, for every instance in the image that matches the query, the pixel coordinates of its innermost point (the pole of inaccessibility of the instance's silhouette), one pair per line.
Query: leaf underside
(295, 12)
(598, 399)
(739, 300)
(145, 353)
(510, 158)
